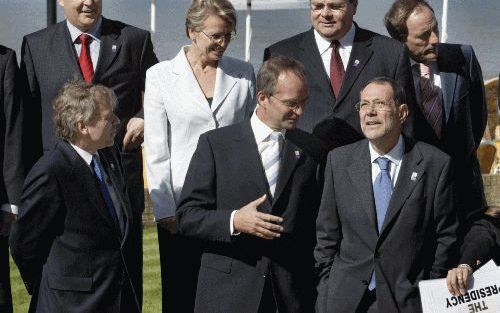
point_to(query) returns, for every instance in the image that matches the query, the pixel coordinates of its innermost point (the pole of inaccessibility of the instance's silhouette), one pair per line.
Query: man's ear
(263, 99)
(403, 112)
(82, 128)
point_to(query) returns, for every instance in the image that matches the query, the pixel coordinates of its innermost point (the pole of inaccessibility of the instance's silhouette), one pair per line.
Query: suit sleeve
(404, 77)
(148, 59)
(446, 223)
(37, 224)
(479, 244)
(197, 214)
(31, 100)
(13, 169)
(328, 233)
(479, 108)
(157, 150)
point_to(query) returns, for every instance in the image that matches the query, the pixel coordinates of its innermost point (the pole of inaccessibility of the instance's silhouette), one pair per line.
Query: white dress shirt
(325, 49)
(176, 113)
(395, 156)
(261, 133)
(95, 43)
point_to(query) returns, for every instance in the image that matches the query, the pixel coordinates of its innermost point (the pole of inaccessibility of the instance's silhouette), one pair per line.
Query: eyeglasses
(219, 37)
(292, 104)
(329, 8)
(378, 105)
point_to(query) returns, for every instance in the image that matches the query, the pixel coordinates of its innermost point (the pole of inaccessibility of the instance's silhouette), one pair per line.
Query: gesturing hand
(250, 221)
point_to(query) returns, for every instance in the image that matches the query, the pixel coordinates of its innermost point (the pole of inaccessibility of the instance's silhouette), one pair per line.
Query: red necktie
(85, 60)
(336, 69)
(432, 106)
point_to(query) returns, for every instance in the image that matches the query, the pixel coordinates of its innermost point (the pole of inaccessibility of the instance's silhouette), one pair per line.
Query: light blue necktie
(382, 191)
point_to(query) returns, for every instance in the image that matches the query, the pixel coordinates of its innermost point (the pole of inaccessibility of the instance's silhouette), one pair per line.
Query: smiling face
(83, 14)
(332, 18)
(205, 46)
(282, 109)
(381, 126)
(423, 35)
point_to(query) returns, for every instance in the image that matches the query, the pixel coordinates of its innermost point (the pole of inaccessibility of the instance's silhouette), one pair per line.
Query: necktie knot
(383, 163)
(84, 39)
(275, 136)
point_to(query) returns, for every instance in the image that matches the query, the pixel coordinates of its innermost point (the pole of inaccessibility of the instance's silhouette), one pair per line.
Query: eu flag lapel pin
(113, 48)
(297, 154)
(414, 176)
(356, 63)
(112, 166)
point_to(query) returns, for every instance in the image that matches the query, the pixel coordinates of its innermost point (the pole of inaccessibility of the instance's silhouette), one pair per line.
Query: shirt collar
(87, 157)
(260, 130)
(94, 32)
(324, 44)
(416, 65)
(395, 155)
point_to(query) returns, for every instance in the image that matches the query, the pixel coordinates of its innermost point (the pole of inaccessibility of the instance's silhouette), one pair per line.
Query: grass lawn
(152, 283)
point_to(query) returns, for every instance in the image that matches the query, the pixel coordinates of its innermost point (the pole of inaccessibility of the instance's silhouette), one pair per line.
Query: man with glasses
(387, 217)
(340, 57)
(251, 193)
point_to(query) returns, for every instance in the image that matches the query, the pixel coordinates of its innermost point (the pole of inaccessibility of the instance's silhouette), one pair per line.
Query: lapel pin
(413, 176)
(113, 48)
(112, 166)
(356, 63)
(297, 154)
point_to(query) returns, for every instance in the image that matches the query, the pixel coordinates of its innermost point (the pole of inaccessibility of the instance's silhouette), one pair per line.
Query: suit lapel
(224, 82)
(252, 169)
(360, 55)
(187, 84)
(290, 158)
(82, 174)
(310, 57)
(63, 49)
(448, 81)
(410, 174)
(360, 174)
(109, 50)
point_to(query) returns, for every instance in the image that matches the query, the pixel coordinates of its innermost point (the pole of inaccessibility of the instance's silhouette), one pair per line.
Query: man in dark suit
(453, 76)
(72, 240)
(387, 217)
(340, 57)
(87, 45)
(11, 169)
(252, 193)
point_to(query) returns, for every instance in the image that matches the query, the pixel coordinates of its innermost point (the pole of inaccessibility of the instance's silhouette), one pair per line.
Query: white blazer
(176, 113)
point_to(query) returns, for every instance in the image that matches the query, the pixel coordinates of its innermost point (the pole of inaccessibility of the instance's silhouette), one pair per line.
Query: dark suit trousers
(180, 263)
(132, 167)
(5, 295)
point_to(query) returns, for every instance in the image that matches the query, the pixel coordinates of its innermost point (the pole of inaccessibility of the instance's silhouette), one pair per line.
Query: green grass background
(151, 285)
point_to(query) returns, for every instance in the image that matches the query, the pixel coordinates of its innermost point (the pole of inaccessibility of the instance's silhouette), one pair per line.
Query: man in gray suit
(454, 76)
(387, 217)
(340, 57)
(101, 51)
(11, 169)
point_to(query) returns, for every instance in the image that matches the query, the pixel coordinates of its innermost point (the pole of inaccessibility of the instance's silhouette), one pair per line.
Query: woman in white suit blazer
(197, 91)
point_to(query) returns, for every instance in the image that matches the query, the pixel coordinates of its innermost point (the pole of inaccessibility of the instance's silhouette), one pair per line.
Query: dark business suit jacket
(482, 243)
(11, 167)
(49, 60)
(225, 174)
(464, 121)
(372, 55)
(416, 239)
(69, 253)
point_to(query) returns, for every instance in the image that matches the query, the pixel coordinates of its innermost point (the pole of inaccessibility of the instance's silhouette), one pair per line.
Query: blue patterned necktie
(99, 174)
(382, 191)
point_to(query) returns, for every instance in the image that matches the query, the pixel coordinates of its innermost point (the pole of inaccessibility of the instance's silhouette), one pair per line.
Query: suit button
(263, 275)
(377, 255)
(335, 110)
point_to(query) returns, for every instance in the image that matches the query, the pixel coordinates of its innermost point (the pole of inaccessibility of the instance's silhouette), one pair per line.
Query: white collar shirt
(325, 49)
(95, 44)
(395, 156)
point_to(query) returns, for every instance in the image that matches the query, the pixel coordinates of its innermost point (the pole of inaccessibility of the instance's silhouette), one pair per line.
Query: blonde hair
(201, 9)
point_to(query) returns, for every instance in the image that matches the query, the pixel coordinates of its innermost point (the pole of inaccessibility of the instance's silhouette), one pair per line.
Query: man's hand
(135, 134)
(457, 280)
(6, 220)
(250, 221)
(169, 224)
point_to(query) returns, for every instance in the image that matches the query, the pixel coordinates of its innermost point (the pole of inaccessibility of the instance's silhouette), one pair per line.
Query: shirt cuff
(231, 224)
(9, 208)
